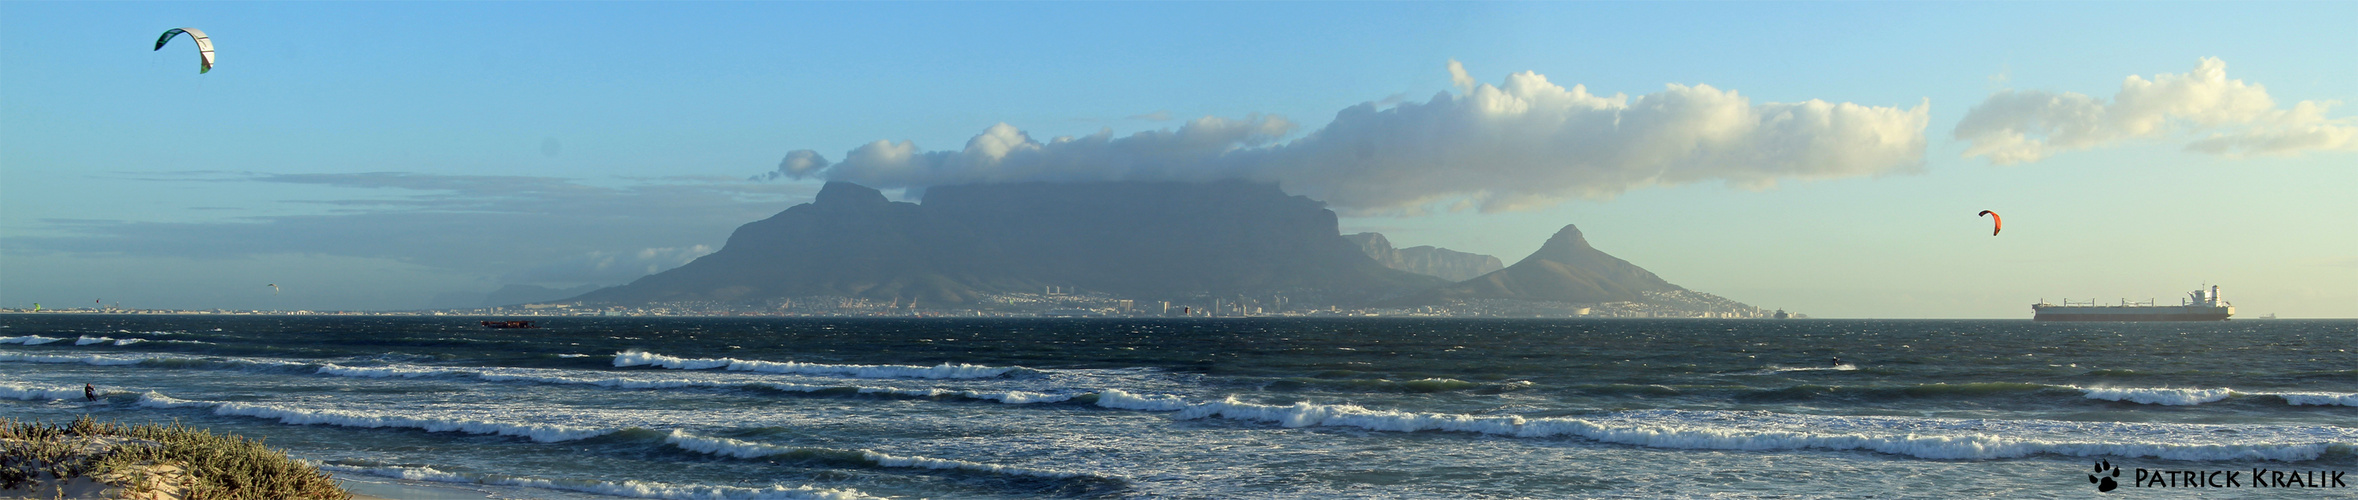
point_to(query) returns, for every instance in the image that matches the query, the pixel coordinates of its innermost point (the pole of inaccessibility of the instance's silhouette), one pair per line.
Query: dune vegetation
(91, 459)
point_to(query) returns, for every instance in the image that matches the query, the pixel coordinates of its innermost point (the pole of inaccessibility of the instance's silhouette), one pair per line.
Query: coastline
(384, 488)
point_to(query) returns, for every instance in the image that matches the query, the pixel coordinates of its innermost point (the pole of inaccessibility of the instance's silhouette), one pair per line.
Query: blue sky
(371, 155)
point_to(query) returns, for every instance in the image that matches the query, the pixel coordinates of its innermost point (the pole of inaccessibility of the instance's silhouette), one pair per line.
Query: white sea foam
(153, 399)
(552, 377)
(1946, 439)
(747, 449)
(382, 371)
(133, 359)
(942, 371)
(630, 489)
(1775, 369)
(34, 392)
(2192, 396)
(546, 433)
(1014, 397)
(29, 340)
(87, 340)
(2157, 395)
(560, 377)
(2317, 398)
(1119, 399)
(88, 359)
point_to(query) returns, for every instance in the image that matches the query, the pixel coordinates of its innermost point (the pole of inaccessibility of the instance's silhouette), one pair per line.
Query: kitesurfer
(1838, 361)
(89, 392)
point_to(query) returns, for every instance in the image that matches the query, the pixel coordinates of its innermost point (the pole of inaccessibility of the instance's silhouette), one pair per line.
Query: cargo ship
(2199, 305)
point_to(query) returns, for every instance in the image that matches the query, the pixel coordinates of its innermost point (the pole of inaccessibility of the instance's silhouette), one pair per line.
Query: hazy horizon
(1825, 158)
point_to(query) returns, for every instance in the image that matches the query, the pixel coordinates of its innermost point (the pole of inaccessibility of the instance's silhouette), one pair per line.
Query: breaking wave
(1941, 439)
(2317, 398)
(158, 361)
(748, 449)
(629, 489)
(2157, 396)
(1774, 369)
(87, 359)
(942, 371)
(29, 340)
(87, 340)
(35, 393)
(546, 433)
(1118, 399)
(2192, 396)
(542, 377)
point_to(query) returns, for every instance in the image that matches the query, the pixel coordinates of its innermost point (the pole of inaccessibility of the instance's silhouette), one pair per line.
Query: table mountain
(964, 243)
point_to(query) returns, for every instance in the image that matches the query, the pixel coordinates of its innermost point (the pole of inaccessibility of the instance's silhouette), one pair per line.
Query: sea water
(1237, 408)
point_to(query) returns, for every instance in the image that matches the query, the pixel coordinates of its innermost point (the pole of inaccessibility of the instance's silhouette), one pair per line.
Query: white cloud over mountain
(2210, 113)
(1523, 143)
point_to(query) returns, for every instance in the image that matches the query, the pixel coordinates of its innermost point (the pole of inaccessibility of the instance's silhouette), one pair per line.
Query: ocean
(1232, 408)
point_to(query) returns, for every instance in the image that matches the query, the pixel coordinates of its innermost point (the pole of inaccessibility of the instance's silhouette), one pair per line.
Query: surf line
(545, 433)
(1674, 436)
(942, 371)
(626, 489)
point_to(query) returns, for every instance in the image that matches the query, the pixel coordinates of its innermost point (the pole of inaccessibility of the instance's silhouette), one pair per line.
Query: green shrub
(215, 466)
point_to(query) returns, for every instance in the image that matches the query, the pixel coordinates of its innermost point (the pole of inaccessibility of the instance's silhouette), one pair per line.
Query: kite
(204, 46)
(1996, 223)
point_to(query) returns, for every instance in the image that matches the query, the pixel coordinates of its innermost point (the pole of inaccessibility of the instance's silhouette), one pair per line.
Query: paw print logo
(2103, 481)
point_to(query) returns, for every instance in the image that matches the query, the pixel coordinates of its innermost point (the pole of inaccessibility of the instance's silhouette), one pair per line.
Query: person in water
(89, 392)
(1837, 361)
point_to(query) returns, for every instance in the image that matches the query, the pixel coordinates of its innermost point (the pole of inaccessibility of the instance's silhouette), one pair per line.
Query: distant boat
(509, 324)
(2201, 305)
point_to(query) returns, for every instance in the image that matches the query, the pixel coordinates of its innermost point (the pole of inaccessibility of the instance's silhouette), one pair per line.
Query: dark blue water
(942, 408)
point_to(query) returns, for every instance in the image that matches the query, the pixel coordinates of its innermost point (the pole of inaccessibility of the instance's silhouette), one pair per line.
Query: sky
(1825, 158)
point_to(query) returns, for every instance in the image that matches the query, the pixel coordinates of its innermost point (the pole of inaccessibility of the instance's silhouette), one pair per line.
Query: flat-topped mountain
(1432, 261)
(964, 243)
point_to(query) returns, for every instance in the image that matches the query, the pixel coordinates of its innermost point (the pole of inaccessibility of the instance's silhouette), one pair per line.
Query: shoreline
(365, 487)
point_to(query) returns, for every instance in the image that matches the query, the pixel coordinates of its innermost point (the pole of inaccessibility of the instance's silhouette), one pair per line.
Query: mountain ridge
(1564, 269)
(1427, 260)
(964, 244)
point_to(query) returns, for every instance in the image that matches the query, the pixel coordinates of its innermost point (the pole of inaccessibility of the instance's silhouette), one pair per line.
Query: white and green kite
(204, 46)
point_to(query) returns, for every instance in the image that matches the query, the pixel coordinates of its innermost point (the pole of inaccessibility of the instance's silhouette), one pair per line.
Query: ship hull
(2131, 313)
(2044, 316)
(2201, 305)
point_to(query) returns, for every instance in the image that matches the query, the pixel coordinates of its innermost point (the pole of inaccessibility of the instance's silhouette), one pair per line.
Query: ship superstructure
(2199, 305)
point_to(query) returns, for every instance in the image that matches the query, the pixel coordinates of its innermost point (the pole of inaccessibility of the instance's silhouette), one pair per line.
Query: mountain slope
(1133, 239)
(1565, 269)
(1432, 261)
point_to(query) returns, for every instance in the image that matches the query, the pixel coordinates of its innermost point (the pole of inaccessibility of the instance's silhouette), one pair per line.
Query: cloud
(2215, 115)
(476, 225)
(1004, 154)
(607, 268)
(798, 164)
(1523, 143)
